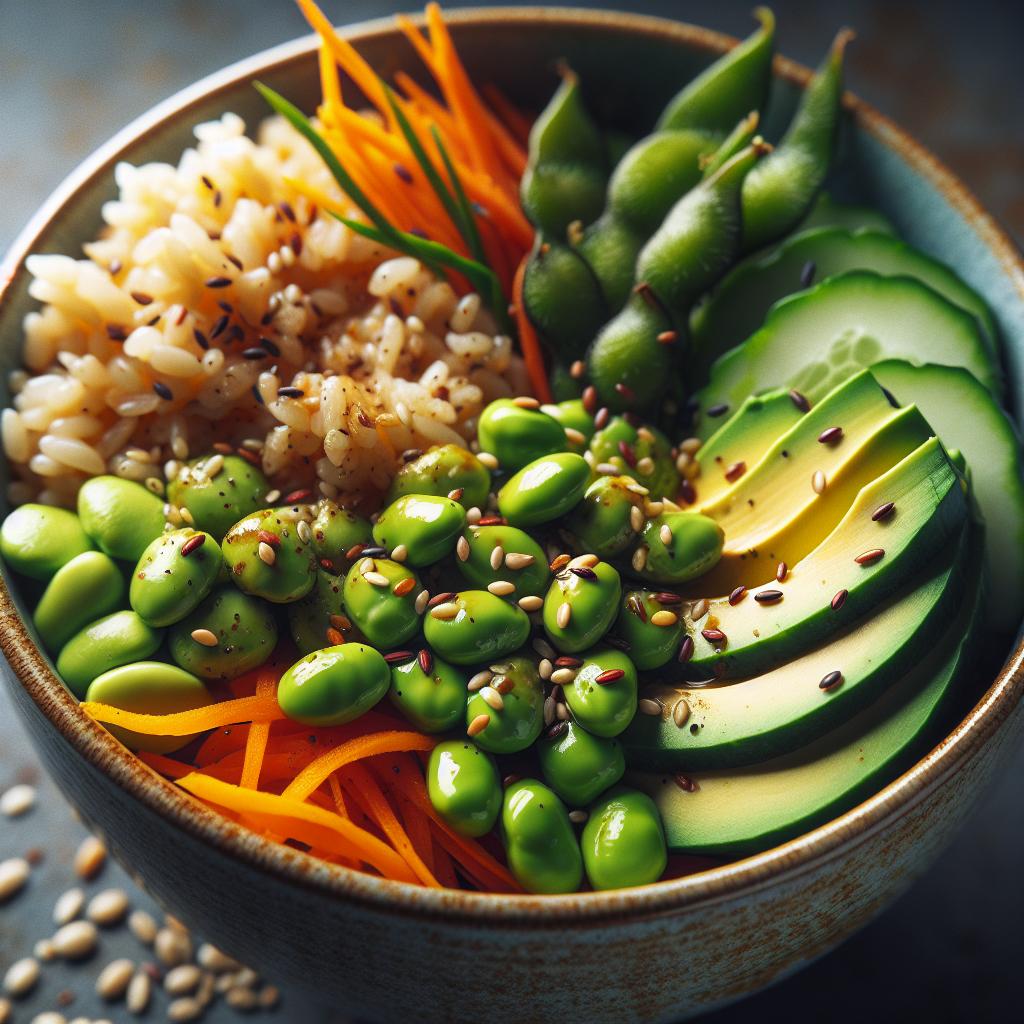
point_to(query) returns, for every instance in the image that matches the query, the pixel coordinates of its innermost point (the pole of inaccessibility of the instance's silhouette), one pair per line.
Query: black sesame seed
(799, 400)
(831, 681)
(163, 391)
(254, 353)
(218, 282)
(718, 410)
(290, 392)
(807, 273)
(219, 326)
(201, 340)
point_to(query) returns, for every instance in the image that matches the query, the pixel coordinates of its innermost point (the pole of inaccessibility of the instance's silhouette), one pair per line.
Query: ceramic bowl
(381, 950)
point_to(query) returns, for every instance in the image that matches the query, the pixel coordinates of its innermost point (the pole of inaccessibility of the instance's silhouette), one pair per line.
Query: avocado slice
(964, 416)
(829, 588)
(813, 340)
(773, 513)
(740, 811)
(742, 722)
(738, 305)
(744, 437)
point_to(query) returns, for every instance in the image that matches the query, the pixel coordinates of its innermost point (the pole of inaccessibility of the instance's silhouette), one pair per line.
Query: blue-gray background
(73, 72)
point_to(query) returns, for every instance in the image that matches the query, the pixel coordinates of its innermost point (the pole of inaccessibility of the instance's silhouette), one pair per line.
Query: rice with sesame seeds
(195, 273)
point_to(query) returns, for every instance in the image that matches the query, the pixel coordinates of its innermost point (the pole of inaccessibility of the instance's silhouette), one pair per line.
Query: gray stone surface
(72, 73)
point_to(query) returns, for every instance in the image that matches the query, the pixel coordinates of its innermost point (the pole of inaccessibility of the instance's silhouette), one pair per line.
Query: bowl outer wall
(677, 946)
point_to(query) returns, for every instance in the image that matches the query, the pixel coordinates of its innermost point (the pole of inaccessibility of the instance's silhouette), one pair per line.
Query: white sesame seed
(14, 874)
(574, 436)
(212, 959)
(142, 926)
(563, 615)
(21, 977)
(267, 554)
(182, 979)
(17, 800)
(501, 588)
(497, 556)
(562, 676)
(480, 680)
(445, 611)
(114, 979)
(186, 1009)
(492, 698)
(489, 460)
(49, 1017)
(516, 560)
(639, 559)
(818, 482)
(367, 565)
(545, 668)
(665, 534)
(422, 598)
(274, 263)
(478, 725)
(246, 978)
(680, 712)
(664, 618)
(213, 466)
(587, 561)
(691, 445)
(172, 947)
(378, 579)
(139, 989)
(68, 906)
(645, 466)
(206, 637)
(561, 712)
(108, 907)
(473, 515)
(654, 508)
(269, 997)
(76, 940)
(636, 518)
(400, 553)
(578, 817)
(272, 497)
(649, 707)
(415, 324)
(43, 950)
(6, 1011)
(462, 549)
(303, 530)
(526, 402)
(699, 609)
(186, 516)
(531, 603)
(544, 649)
(240, 998)
(287, 254)
(607, 469)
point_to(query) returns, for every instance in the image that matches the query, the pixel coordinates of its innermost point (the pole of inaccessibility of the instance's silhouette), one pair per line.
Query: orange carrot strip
(259, 733)
(416, 38)
(339, 796)
(330, 83)
(220, 743)
(290, 817)
(528, 340)
(418, 828)
(369, 793)
(444, 870)
(515, 120)
(184, 723)
(165, 765)
(314, 774)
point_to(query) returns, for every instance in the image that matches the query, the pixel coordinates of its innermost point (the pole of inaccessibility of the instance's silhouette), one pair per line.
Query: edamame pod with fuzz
(540, 844)
(174, 574)
(623, 841)
(218, 490)
(444, 470)
(464, 787)
(121, 516)
(38, 540)
(334, 685)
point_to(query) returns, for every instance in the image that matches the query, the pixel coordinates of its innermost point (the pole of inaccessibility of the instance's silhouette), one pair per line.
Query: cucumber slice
(965, 417)
(738, 306)
(817, 338)
(827, 213)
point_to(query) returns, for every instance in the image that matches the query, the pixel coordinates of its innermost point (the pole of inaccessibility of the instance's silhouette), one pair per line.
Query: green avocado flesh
(930, 508)
(815, 339)
(773, 514)
(739, 811)
(738, 305)
(738, 723)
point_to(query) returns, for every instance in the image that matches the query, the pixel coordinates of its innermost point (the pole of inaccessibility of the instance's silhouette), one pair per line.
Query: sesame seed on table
(954, 81)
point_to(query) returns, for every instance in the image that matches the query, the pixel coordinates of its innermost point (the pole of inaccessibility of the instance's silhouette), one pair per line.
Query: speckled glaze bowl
(385, 951)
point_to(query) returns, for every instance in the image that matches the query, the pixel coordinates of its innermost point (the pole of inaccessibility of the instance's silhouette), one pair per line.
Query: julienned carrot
(514, 119)
(366, 791)
(339, 796)
(313, 775)
(528, 340)
(330, 83)
(299, 820)
(418, 828)
(444, 870)
(166, 766)
(259, 733)
(184, 723)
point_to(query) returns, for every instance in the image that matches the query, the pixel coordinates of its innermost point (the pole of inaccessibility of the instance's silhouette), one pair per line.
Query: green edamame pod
(443, 470)
(270, 556)
(545, 489)
(106, 643)
(579, 766)
(517, 435)
(564, 386)
(174, 574)
(219, 500)
(778, 194)
(735, 142)
(567, 169)
(603, 521)
(380, 601)
(581, 605)
(90, 585)
(650, 623)
(680, 546)
(322, 609)
(540, 844)
(227, 635)
(643, 453)
(623, 841)
(463, 786)
(520, 560)
(335, 530)
(426, 525)
(334, 685)
(602, 697)
(149, 688)
(121, 516)
(517, 720)
(475, 626)
(573, 416)
(37, 540)
(429, 692)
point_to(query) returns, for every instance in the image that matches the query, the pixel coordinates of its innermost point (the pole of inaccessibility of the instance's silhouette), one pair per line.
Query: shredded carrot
(528, 340)
(418, 828)
(299, 820)
(339, 796)
(444, 870)
(166, 766)
(184, 723)
(515, 120)
(259, 733)
(329, 81)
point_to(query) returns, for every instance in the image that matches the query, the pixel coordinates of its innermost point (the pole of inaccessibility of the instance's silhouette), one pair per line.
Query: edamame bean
(216, 502)
(149, 688)
(643, 453)
(540, 844)
(518, 718)
(334, 685)
(90, 585)
(268, 558)
(651, 624)
(426, 525)
(517, 436)
(475, 626)
(174, 574)
(464, 788)
(121, 516)
(581, 605)
(572, 416)
(601, 699)
(335, 531)
(679, 546)
(434, 700)
(37, 540)
(441, 470)
(228, 634)
(603, 521)
(545, 489)
(105, 644)
(384, 617)
(624, 841)
(579, 766)
(322, 609)
(520, 562)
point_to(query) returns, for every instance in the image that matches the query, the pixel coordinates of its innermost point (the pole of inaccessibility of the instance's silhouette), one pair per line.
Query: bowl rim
(798, 856)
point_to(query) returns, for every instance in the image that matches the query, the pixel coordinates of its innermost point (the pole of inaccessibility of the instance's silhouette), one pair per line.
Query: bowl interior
(517, 49)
